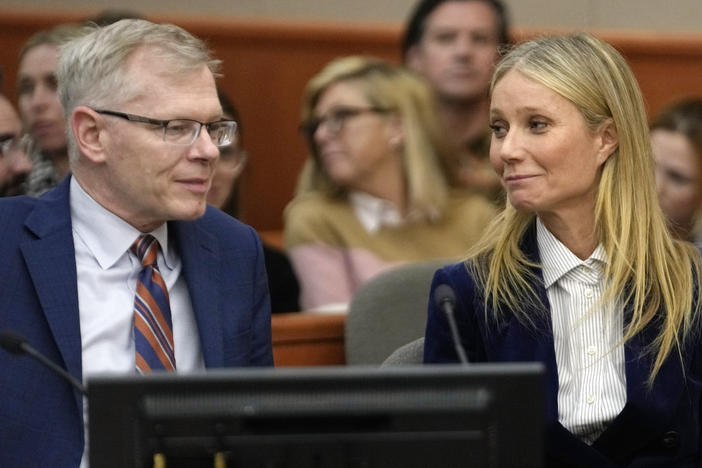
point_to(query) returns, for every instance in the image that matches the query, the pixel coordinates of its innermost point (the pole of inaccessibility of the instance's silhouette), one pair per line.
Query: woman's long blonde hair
(647, 269)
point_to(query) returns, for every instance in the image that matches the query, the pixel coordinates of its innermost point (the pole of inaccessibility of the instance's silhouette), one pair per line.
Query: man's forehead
(471, 14)
(164, 93)
(150, 65)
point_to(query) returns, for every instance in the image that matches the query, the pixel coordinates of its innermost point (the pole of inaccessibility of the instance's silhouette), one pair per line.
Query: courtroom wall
(646, 15)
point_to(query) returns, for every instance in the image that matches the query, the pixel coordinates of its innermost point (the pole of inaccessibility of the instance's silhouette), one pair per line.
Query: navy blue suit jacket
(658, 427)
(40, 414)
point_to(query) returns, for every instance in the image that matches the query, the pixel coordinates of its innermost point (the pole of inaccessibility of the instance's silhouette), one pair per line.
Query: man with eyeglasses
(14, 151)
(123, 267)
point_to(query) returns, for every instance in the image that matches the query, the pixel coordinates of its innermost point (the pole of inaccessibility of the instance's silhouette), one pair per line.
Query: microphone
(17, 344)
(445, 299)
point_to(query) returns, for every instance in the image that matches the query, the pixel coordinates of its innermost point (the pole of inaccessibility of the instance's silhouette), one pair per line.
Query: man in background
(123, 268)
(454, 44)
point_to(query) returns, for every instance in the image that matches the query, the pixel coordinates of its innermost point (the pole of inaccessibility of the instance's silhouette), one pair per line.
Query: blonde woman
(579, 272)
(373, 193)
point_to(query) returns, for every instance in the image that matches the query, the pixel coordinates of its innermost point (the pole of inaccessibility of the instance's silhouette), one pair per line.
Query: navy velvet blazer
(40, 414)
(658, 427)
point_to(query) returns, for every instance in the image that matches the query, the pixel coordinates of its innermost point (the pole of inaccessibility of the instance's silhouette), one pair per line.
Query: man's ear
(609, 141)
(87, 125)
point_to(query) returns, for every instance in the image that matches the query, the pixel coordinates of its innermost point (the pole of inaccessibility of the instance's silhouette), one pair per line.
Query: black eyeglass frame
(338, 115)
(164, 124)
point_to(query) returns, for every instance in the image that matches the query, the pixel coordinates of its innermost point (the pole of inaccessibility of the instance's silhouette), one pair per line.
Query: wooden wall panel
(267, 63)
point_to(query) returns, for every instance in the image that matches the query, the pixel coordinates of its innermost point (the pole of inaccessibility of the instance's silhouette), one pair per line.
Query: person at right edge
(580, 272)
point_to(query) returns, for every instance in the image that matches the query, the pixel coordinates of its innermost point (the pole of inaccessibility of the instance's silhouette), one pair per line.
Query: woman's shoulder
(315, 216)
(314, 202)
(456, 275)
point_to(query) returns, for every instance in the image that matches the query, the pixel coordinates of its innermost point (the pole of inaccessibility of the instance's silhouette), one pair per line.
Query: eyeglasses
(335, 119)
(184, 131)
(15, 144)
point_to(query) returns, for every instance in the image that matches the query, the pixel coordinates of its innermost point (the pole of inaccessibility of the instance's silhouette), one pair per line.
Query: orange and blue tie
(153, 327)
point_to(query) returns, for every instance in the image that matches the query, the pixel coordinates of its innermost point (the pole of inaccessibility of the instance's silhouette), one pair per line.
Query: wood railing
(308, 339)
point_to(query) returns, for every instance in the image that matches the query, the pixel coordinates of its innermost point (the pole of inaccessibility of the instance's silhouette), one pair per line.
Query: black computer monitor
(488, 415)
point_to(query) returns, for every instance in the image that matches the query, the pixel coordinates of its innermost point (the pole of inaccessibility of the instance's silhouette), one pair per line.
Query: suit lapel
(646, 413)
(51, 262)
(199, 252)
(514, 341)
(542, 345)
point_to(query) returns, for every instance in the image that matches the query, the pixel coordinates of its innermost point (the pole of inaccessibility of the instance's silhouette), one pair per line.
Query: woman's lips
(518, 177)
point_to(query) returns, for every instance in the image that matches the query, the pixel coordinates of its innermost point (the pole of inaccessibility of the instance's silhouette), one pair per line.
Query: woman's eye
(679, 179)
(537, 125)
(498, 130)
(25, 87)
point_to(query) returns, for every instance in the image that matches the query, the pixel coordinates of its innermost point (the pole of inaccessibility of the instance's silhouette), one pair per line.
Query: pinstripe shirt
(591, 372)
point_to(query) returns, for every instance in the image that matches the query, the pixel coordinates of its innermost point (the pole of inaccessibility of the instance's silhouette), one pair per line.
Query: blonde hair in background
(647, 269)
(387, 86)
(92, 69)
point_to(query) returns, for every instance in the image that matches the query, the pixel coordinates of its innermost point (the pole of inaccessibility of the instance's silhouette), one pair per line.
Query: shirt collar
(375, 213)
(105, 234)
(557, 260)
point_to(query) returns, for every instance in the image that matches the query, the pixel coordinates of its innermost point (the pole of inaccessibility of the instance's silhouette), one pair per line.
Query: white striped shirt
(591, 372)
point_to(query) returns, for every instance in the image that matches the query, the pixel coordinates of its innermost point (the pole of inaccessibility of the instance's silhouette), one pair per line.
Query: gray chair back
(387, 312)
(409, 354)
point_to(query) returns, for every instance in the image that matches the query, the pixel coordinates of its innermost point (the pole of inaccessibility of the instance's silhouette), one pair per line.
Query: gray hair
(91, 68)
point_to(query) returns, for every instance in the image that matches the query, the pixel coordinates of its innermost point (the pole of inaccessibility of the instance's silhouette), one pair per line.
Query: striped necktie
(153, 328)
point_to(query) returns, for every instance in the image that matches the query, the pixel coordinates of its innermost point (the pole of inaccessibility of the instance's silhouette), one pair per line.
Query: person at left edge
(67, 278)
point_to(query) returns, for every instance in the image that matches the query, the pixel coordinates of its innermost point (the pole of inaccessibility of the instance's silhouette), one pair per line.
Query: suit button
(671, 439)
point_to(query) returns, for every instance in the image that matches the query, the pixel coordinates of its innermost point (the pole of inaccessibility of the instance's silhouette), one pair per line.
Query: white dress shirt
(107, 274)
(374, 213)
(586, 335)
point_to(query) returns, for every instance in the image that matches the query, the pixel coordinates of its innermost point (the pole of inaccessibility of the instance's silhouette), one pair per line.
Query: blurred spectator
(14, 150)
(373, 193)
(40, 108)
(454, 44)
(676, 138)
(282, 283)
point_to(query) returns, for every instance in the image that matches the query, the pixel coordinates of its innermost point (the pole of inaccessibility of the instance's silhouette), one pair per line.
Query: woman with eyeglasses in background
(676, 138)
(373, 193)
(282, 284)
